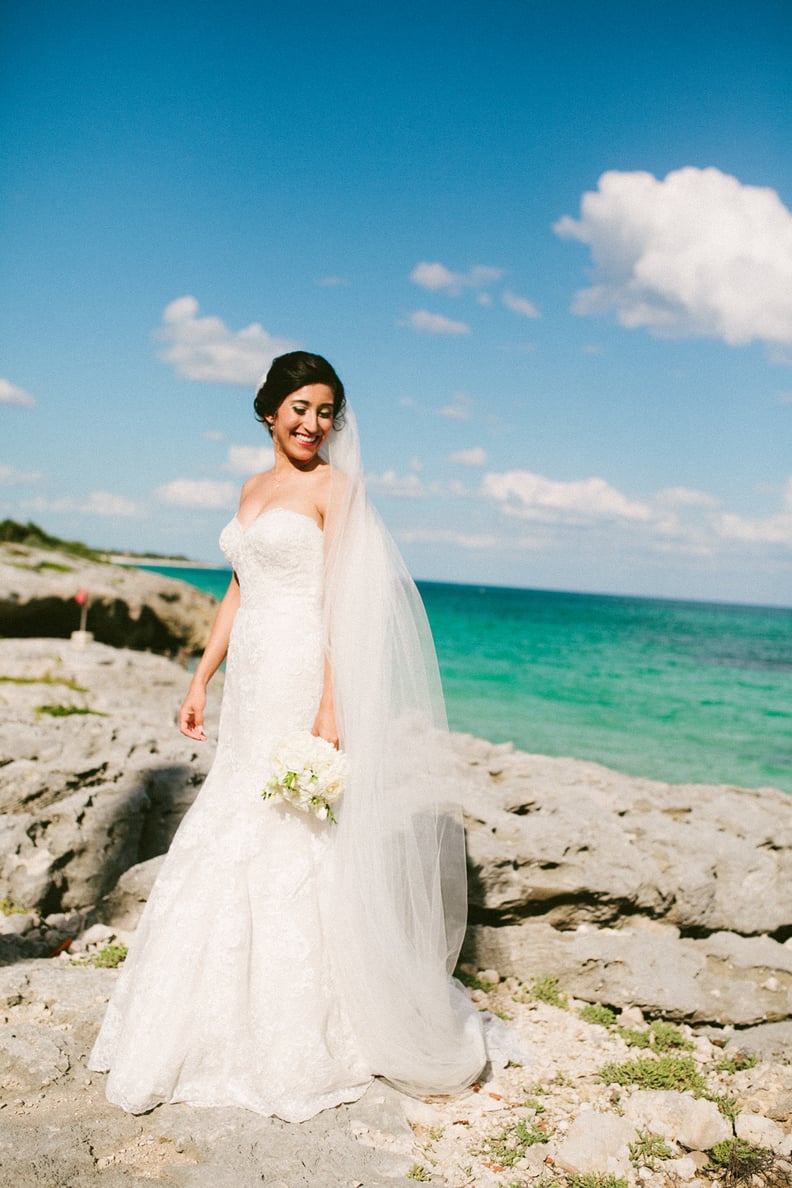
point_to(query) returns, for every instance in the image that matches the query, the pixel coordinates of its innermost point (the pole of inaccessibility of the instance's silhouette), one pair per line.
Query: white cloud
(207, 493)
(460, 410)
(519, 305)
(473, 457)
(772, 530)
(205, 349)
(331, 282)
(98, 503)
(464, 540)
(436, 277)
(248, 460)
(685, 497)
(697, 253)
(105, 503)
(432, 323)
(214, 435)
(10, 476)
(11, 394)
(407, 486)
(534, 497)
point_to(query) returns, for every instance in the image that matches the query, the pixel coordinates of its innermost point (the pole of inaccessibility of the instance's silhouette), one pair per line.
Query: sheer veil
(399, 889)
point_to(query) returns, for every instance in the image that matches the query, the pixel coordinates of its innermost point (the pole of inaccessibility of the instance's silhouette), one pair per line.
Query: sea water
(678, 691)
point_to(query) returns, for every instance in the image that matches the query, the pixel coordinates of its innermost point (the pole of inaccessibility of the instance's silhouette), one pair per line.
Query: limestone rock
(597, 1142)
(694, 1122)
(124, 905)
(128, 607)
(569, 842)
(763, 1132)
(86, 795)
(717, 979)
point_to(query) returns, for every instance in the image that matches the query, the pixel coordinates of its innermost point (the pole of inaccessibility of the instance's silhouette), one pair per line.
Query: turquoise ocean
(678, 691)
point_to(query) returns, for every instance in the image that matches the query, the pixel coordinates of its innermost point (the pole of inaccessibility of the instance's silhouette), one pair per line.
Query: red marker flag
(82, 597)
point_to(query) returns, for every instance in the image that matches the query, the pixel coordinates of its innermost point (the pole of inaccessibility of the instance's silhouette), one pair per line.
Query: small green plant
(110, 957)
(650, 1072)
(595, 1012)
(532, 1104)
(511, 1143)
(727, 1105)
(647, 1149)
(66, 711)
(46, 679)
(597, 1180)
(9, 908)
(738, 1161)
(546, 989)
(418, 1172)
(737, 1062)
(659, 1035)
(474, 982)
(54, 565)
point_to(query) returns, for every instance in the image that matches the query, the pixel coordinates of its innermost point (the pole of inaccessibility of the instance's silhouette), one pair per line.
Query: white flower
(308, 773)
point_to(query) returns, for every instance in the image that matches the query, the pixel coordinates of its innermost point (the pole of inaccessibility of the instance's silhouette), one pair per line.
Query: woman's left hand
(325, 725)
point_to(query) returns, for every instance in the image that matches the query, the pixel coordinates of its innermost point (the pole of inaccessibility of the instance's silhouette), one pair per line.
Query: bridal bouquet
(309, 773)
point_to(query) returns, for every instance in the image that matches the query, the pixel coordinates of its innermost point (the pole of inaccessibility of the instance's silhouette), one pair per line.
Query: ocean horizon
(680, 690)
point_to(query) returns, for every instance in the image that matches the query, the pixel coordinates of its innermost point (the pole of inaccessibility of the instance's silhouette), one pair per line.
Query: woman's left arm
(325, 723)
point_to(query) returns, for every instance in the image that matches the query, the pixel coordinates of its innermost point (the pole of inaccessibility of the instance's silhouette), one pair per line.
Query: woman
(282, 961)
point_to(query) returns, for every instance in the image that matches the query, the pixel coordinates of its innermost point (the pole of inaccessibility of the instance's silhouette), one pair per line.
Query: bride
(282, 962)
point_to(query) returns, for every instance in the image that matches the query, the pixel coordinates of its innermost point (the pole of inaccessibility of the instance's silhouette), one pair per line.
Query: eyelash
(323, 412)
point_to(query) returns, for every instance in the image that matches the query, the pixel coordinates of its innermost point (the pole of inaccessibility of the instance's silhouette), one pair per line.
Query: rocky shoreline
(127, 607)
(598, 904)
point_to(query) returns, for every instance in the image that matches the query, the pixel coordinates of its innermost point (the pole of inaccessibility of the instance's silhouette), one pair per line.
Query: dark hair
(290, 372)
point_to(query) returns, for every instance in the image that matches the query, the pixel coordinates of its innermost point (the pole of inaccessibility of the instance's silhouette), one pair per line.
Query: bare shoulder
(254, 489)
(322, 477)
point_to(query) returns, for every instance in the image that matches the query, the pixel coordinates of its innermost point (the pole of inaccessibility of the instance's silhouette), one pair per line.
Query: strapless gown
(227, 995)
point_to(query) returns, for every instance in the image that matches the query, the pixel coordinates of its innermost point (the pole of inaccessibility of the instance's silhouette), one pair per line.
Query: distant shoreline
(164, 562)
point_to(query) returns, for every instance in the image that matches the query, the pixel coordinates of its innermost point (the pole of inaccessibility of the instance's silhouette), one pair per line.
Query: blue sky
(547, 245)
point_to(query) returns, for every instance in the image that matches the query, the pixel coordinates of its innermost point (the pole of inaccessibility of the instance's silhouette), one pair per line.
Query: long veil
(399, 889)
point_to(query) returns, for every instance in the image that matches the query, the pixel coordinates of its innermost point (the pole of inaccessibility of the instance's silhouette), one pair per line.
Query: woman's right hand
(191, 714)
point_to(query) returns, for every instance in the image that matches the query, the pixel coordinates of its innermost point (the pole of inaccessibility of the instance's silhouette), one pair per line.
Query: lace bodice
(278, 560)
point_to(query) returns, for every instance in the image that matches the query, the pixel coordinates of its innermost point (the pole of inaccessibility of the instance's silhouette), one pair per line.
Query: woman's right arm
(191, 714)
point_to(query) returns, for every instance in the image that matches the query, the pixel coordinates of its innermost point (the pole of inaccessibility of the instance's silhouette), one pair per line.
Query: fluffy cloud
(432, 323)
(474, 457)
(519, 305)
(98, 503)
(105, 503)
(249, 459)
(206, 493)
(205, 349)
(10, 476)
(437, 278)
(772, 530)
(460, 410)
(697, 253)
(389, 483)
(534, 497)
(11, 394)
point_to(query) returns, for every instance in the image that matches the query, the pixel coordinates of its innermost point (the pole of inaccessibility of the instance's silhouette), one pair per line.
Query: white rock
(693, 1122)
(597, 1143)
(685, 1168)
(18, 923)
(97, 934)
(763, 1132)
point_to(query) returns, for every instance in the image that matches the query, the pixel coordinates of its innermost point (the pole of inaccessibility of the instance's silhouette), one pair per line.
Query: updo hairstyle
(291, 372)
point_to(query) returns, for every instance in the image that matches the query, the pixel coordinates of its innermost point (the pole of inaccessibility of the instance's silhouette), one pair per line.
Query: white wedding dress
(282, 962)
(228, 996)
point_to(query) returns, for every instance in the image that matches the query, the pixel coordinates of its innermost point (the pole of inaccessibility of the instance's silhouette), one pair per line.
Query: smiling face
(302, 422)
